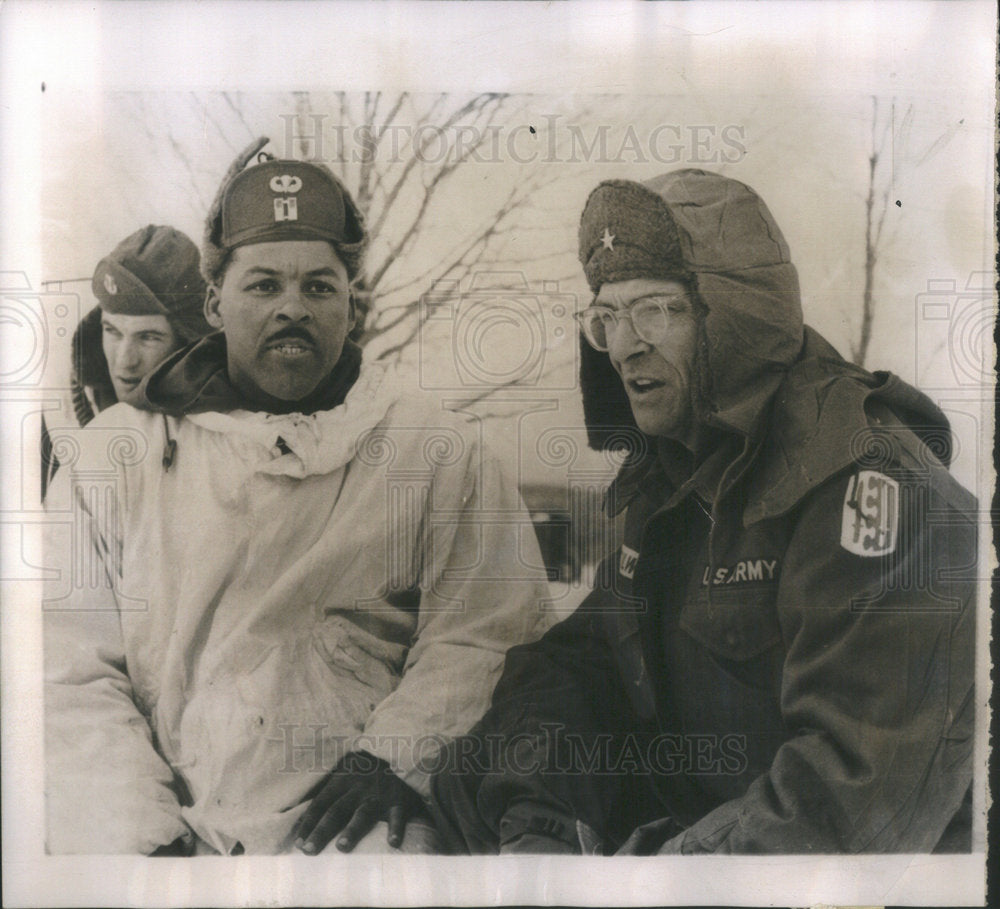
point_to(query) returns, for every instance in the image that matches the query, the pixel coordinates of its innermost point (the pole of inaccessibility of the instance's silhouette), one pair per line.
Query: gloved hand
(360, 791)
(530, 828)
(649, 838)
(180, 847)
(534, 844)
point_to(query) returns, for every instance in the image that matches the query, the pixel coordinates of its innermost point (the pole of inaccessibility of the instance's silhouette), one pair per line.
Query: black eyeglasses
(650, 317)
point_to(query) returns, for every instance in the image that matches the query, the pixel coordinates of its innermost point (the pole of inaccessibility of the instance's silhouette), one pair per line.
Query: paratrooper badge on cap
(286, 207)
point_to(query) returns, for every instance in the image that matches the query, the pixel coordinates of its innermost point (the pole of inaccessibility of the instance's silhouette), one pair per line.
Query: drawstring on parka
(169, 447)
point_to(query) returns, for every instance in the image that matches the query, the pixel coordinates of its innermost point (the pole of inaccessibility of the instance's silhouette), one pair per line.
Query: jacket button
(732, 638)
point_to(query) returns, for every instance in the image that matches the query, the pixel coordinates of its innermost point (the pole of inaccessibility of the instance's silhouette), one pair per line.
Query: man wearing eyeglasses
(658, 382)
(779, 658)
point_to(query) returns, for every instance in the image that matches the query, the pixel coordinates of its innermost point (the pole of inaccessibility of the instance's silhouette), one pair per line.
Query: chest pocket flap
(738, 624)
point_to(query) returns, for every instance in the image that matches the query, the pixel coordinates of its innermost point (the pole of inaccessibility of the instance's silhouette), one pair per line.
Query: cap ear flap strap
(607, 411)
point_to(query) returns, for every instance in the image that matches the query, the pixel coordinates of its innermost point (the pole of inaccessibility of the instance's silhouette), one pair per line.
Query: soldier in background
(150, 301)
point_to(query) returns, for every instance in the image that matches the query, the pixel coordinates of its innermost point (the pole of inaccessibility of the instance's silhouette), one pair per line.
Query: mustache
(292, 332)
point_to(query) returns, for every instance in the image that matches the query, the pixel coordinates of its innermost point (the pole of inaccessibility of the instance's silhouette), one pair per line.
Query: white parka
(287, 589)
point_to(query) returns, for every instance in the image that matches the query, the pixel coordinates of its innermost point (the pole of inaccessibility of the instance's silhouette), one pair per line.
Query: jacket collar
(194, 380)
(816, 434)
(829, 416)
(815, 427)
(666, 474)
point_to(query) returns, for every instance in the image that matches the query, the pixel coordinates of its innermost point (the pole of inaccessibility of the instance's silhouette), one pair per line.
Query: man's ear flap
(607, 411)
(212, 315)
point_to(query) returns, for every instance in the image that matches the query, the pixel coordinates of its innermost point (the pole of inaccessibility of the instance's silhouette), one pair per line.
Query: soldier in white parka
(308, 580)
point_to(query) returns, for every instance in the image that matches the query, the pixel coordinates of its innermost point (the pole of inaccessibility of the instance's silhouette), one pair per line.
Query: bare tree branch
(859, 351)
(303, 110)
(238, 112)
(416, 157)
(401, 192)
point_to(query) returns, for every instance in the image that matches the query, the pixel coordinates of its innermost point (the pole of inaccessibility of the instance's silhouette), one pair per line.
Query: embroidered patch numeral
(871, 514)
(626, 564)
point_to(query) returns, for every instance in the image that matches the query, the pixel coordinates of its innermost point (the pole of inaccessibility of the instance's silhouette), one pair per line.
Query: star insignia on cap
(608, 240)
(109, 284)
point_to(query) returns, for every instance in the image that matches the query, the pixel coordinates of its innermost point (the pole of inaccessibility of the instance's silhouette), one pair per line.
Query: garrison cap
(154, 272)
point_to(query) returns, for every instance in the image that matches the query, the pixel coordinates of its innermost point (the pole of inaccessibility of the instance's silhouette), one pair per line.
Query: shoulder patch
(871, 514)
(626, 565)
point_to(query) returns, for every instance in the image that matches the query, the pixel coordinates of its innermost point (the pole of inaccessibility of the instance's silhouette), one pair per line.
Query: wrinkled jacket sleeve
(107, 789)
(525, 767)
(483, 590)
(877, 687)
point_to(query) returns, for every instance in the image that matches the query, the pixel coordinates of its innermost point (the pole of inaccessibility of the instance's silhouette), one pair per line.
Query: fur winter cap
(154, 272)
(278, 200)
(626, 231)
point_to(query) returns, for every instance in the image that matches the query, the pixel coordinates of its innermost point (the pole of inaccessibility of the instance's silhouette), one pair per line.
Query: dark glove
(360, 791)
(180, 847)
(649, 838)
(530, 828)
(531, 844)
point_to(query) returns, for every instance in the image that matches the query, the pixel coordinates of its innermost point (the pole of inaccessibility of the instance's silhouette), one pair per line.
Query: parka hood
(760, 374)
(738, 266)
